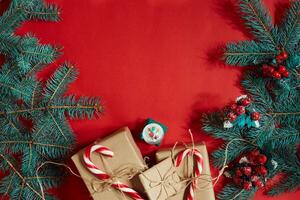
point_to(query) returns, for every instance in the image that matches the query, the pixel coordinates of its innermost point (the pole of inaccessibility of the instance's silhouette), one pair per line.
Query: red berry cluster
(251, 174)
(279, 71)
(236, 109)
(275, 72)
(282, 56)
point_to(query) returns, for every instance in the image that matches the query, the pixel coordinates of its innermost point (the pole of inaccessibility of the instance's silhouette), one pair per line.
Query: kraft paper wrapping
(185, 170)
(126, 154)
(161, 181)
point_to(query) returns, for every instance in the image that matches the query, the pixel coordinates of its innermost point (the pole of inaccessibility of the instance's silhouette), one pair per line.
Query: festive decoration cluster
(153, 132)
(251, 170)
(277, 70)
(33, 113)
(240, 113)
(271, 81)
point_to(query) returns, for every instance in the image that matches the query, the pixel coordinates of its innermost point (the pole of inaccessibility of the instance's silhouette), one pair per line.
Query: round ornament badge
(153, 133)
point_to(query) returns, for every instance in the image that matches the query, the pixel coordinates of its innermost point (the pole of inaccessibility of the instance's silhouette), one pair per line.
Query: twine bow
(167, 183)
(198, 159)
(125, 172)
(106, 180)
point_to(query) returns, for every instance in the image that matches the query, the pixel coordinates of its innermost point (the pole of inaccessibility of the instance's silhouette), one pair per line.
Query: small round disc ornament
(153, 132)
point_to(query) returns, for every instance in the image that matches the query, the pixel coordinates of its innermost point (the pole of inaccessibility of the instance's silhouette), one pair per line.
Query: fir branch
(57, 125)
(47, 12)
(59, 81)
(232, 192)
(290, 29)
(20, 176)
(96, 107)
(8, 187)
(35, 68)
(15, 89)
(248, 53)
(36, 95)
(275, 114)
(290, 166)
(34, 143)
(9, 19)
(258, 20)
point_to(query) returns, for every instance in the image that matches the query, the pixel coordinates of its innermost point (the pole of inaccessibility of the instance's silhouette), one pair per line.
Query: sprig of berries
(277, 71)
(251, 172)
(239, 108)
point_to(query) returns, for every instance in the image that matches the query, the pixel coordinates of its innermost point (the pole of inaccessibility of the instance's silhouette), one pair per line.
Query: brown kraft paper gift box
(161, 181)
(205, 187)
(126, 153)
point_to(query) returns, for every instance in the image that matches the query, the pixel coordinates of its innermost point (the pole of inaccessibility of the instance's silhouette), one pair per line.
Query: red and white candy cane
(102, 175)
(198, 169)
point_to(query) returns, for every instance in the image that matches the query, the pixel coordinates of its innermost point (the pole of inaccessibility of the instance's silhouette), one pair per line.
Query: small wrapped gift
(123, 167)
(186, 169)
(161, 181)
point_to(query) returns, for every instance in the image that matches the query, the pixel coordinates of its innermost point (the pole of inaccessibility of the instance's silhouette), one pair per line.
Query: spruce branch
(248, 53)
(290, 29)
(97, 107)
(59, 81)
(275, 114)
(24, 148)
(24, 182)
(258, 20)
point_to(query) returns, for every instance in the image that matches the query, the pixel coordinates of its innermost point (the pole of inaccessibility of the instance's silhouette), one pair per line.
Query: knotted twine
(103, 176)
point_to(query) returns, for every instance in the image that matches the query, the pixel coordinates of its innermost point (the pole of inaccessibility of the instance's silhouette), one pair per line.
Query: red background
(148, 58)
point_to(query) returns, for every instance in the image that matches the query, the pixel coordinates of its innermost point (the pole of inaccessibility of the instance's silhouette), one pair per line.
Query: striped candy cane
(102, 175)
(198, 169)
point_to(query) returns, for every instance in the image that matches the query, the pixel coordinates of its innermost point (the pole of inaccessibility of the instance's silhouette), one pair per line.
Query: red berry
(232, 117)
(255, 152)
(281, 69)
(268, 70)
(279, 58)
(253, 155)
(233, 106)
(238, 172)
(271, 69)
(284, 55)
(258, 183)
(251, 158)
(276, 75)
(240, 110)
(237, 181)
(247, 170)
(261, 170)
(286, 74)
(262, 159)
(247, 185)
(255, 116)
(265, 68)
(246, 102)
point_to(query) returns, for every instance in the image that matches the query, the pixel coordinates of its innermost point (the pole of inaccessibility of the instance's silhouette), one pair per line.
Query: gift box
(127, 159)
(161, 181)
(186, 169)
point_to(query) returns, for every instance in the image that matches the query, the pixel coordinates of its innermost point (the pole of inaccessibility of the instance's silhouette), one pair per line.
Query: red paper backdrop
(148, 58)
